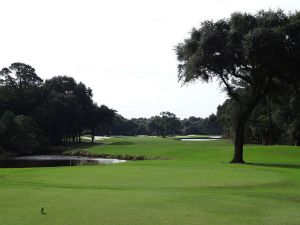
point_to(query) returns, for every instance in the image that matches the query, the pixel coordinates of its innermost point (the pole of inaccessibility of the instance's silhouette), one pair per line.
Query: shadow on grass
(82, 144)
(278, 165)
(122, 143)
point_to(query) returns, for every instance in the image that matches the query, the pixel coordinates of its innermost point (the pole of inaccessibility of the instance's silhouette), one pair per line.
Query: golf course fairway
(194, 184)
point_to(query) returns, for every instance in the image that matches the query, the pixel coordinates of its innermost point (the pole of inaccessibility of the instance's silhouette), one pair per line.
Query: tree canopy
(36, 113)
(248, 54)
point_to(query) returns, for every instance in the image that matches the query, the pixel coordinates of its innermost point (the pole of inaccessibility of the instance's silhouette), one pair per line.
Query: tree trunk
(297, 141)
(270, 124)
(239, 142)
(93, 135)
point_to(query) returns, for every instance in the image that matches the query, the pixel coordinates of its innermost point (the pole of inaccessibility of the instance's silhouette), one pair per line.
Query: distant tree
(30, 138)
(286, 117)
(155, 126)
(261, 126)
(165, 124)
(248, 54)
(60, 108)
(119, 125)
(64, 113)
(131, 127)
(294, 125)
(60, 113)
(20, 134)
(107, 116)
(9, 130)
(100, 120)
(171, 124)
(20, 75)
(19, 89)
(224, 114)
(212, 125)
(275, 120)
(192, 125)
(141, 126)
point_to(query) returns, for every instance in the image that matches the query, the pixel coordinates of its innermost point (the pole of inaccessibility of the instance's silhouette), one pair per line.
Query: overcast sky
(122, 49)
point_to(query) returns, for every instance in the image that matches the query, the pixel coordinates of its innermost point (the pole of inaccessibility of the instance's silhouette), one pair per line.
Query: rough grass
(197, 186)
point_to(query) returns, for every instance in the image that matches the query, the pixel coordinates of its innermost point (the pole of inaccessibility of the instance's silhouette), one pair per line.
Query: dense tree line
(36, 113)
(166, 124)
(275, 120)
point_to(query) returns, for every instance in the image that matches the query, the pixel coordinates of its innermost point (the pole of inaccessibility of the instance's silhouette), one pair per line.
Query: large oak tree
(248, 54)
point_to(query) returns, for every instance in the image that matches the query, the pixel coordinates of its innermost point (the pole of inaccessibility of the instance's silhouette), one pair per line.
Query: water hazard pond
(53, 160)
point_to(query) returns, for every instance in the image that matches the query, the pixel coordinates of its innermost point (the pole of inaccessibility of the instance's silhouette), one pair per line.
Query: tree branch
(229, 89)
(244, 78)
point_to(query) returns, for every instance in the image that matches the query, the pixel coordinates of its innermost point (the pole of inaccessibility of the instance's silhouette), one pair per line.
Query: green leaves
(248, 54)
(20, 134)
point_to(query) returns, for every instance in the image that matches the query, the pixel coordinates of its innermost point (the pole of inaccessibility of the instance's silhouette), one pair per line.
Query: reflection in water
(53, 160)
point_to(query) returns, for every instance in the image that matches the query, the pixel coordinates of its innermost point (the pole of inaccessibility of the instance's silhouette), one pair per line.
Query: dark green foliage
(193, 125)
(100, 120)
(20, 89)
(20, 134)
(224, 114)
(123, 126)
(142, 128)
(64, 112)
(156, 127)
(210, 125)
(165, 124)
(55, 111)
(170, 123)
(248, 54)
(286, 116)
(30, 138)
(275, 120)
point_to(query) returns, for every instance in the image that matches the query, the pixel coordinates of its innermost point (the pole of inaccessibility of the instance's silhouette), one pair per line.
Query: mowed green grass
(196, 185)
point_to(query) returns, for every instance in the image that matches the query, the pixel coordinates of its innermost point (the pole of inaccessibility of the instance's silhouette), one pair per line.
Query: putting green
(195, 186)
